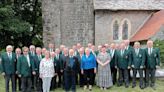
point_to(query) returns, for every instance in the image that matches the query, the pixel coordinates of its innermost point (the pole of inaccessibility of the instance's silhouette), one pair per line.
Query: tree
(21, 23)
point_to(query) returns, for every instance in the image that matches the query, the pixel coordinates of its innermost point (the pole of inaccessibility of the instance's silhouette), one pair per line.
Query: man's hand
(3, 73)
(34, 73)
(141, 67)
(132, 66)
(157, 67)
(129, 67)
(19, 76)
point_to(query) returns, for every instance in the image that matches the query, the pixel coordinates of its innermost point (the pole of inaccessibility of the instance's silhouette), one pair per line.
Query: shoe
(90, 87)
(85, 87)
(126, 86)
(104, 88)
(153, 87)
(101, 88)
(133, 86)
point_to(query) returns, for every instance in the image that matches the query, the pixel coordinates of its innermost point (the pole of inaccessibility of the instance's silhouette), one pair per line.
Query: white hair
(9, 46)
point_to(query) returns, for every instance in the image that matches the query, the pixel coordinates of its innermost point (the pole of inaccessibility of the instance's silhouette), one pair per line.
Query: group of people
(44, 69)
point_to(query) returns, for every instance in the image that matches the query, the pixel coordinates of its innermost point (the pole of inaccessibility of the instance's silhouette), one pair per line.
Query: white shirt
(28, 60)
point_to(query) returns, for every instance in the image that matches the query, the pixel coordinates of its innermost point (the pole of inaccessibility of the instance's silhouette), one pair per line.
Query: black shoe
(119, 85)
(133, 86)
(153, 87)
(126, 86)
(141, 87)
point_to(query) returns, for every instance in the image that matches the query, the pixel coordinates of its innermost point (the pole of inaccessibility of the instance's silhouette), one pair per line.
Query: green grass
(159, 88)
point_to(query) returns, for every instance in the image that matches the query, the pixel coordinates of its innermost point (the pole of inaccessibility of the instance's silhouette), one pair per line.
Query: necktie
(122, 52)
(10, 56)
(136, 50)
(71, 61)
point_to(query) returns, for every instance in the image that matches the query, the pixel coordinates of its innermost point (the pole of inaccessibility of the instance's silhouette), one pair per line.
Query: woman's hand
(82, 72)
(95, 70)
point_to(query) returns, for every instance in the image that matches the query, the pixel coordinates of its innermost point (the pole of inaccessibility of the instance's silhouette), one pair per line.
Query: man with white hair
(138, 63)
(8, 67)
(152, 63)
(32, 50)
(70, 70)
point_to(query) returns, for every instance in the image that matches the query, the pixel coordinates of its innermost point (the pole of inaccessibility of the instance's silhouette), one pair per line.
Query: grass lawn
(159, 88)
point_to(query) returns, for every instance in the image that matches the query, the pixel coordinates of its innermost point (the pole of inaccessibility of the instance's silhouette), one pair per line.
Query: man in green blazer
(26, 69)
(123, 64)
(129, 49)
(113, 54)
(152, 62)
(138, 63)
(8, 67)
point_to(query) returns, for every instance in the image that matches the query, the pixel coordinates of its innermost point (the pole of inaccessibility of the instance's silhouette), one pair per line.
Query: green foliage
(21, 23)
(11, 27)
(160, 44)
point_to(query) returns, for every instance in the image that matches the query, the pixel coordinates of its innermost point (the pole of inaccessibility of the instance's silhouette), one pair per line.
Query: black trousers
(53, 83)
(70, 81)
(17, 79)
(81, 79)
(89, 76)
(7, 80)
(114, 74)
(123, 76)
(26, 84)
(141, 77)
(150, 75)
(37, 83)
(59, 75)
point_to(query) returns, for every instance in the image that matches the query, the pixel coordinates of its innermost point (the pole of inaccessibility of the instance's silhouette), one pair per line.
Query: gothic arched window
(125, 30)
(115, 30)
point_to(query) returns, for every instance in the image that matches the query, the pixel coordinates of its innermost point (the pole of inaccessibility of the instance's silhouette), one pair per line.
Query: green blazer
(153, 59)
(113, 58)
(8, 66)
(23, 68)
(123, 61)
(138, 59)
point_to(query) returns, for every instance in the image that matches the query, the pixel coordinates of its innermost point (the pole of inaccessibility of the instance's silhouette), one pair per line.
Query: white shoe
(101, 88)
(104, 88)
(85, 87)
(90, 87)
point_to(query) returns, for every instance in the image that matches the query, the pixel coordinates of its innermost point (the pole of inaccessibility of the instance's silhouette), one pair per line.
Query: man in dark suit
(53, 81)
(26, 69)
(51, 47)
(152, 63)
(70, 68)
(63, 59)
(113, 61)
(81, 79)
(138, 63)
(32, 55)
(123, 63)
(57, 61)
(17, 78)
(32, 50)
(8, 67)
(37, 58)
